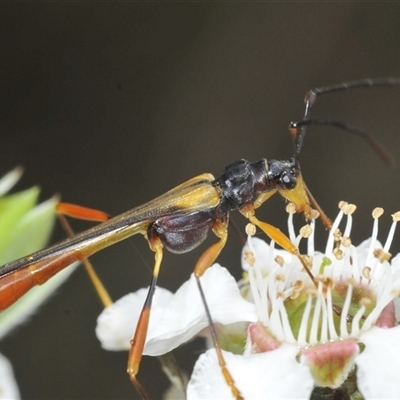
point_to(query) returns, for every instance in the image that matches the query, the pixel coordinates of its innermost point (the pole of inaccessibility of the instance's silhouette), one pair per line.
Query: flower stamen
(345, 312)
(396, 218)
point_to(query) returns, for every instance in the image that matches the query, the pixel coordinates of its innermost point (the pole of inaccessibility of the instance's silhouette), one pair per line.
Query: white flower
(175, 318)
(301, 334)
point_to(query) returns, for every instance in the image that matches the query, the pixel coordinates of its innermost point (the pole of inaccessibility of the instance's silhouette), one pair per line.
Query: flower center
(324, 317)
(348, 298)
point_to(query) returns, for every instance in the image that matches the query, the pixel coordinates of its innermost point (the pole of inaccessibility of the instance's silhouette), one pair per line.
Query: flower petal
(8, 386)
(117, 323)
(8, 180)
(185, 316)
(396, 302)
(261, 250)
(177, 318)
(272, 375)
(378, 365)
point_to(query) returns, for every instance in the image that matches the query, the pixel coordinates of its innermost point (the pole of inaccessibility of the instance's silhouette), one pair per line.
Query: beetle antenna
(375, 145)
(298, 129)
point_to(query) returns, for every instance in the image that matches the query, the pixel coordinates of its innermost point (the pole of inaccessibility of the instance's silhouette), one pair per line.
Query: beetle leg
(324, 218)
(139, 339)
(210, 255)
(220, 229)
(277, 236)
(74, 211)
(79, 212)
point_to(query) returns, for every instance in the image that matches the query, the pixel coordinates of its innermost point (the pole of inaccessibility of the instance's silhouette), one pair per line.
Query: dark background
(111, 104)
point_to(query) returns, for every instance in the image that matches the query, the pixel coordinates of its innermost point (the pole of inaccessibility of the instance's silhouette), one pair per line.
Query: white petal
(379, 364)
(117, 323)
(177, 318)
(185, 315)
(261, 252)
(10, 179)
(396, 302)
(272, 375)
(8, 386)
(395, 261)
(262, 255)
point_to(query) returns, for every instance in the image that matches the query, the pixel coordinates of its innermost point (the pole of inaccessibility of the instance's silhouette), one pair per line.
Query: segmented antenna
(298, 129)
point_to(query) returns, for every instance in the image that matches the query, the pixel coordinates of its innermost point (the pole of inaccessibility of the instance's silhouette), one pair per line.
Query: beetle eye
(288, 180)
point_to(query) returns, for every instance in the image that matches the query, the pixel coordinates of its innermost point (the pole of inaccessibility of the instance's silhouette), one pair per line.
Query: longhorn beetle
(180, 219)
